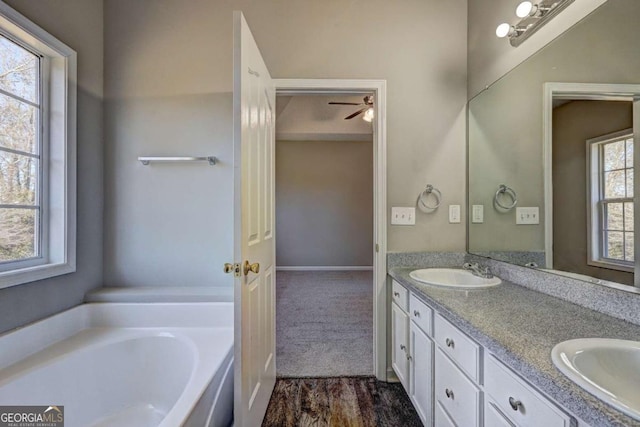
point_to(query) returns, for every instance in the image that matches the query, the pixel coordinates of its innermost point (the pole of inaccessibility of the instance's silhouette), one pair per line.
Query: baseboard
(325, 268)
(391, 376)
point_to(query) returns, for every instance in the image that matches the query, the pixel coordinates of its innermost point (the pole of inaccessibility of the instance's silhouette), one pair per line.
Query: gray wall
(324, 203)
(490, 57)
(168, 83)
(79, 24)
(573, 124)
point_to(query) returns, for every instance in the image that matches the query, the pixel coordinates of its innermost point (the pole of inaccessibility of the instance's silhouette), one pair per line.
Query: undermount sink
(607, 368)
(453, 278)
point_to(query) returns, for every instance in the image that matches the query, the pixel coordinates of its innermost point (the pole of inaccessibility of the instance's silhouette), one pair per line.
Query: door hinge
(377, 248)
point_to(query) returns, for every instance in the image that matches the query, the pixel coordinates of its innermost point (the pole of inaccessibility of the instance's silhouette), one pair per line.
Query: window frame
(58, 76)
(596, 205)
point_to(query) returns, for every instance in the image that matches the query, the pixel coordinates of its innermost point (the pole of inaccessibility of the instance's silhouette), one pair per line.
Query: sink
(453, 278)
(607, 368)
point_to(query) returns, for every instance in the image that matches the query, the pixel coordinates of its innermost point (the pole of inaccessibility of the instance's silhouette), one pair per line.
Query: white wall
(79, 24)
(166, 62)
(490, 57)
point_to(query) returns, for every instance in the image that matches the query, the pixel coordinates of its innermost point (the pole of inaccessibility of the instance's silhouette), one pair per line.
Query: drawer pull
(416, 313)
(449, 393)
(403, 347)
(449, 342)
(396, 294)
(515, 404)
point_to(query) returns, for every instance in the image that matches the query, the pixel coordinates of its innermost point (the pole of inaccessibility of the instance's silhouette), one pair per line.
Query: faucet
(476, 270)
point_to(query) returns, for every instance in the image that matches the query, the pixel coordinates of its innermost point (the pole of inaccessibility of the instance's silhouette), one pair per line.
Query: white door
(254, 243)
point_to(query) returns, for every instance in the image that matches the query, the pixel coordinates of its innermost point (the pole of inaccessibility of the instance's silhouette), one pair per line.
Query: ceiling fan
(367, 109)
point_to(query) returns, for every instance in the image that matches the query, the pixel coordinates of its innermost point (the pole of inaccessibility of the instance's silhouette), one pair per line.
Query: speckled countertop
(520, 327)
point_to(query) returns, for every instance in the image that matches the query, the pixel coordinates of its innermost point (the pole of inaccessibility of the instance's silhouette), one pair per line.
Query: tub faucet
(476, 270)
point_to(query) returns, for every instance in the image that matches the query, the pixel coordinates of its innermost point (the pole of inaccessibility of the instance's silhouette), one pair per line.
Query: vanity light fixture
(532, 17)
(368, 115)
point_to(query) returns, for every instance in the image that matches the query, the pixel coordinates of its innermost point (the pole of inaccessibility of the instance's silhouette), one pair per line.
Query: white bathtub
(159, 364)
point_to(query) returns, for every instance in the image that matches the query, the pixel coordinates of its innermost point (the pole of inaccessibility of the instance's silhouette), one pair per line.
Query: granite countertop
(520, 327)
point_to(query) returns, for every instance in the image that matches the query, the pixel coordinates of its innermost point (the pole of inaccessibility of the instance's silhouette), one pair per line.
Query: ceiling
(311, 118)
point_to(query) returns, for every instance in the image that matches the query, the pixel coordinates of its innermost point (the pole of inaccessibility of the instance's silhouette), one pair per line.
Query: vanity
(483, 357)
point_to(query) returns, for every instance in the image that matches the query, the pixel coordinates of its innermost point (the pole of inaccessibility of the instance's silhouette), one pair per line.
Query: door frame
(379, 90)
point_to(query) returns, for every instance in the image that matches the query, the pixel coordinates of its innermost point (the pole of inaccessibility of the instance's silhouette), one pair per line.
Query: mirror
(551, 154)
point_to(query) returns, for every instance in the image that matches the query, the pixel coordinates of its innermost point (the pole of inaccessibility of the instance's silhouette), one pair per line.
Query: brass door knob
(255, 268)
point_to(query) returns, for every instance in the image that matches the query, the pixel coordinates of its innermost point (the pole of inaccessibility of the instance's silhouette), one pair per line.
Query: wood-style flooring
(340, 401)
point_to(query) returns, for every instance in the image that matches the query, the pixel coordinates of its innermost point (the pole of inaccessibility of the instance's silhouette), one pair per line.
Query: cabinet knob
(409, 358)
(515, 404)
(403, 347)
(396, 294)
(449, 393)
(449, 342)
(416, 313)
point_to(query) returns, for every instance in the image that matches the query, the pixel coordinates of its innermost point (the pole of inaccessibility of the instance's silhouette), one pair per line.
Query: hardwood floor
(341, 401)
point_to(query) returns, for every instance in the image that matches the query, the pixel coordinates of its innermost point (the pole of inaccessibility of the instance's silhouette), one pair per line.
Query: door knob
(255, 268)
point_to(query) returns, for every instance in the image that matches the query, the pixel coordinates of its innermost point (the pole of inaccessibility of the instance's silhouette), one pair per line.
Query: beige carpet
(324, 323)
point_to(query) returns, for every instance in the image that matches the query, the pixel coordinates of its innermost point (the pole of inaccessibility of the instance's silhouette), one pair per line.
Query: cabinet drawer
(518, 401)
(458, 346)
(456, 393)
(441, 418)
(420, 313)
(493, 417)
(400, 295)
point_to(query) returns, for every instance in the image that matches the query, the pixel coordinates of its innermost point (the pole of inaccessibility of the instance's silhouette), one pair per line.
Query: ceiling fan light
(368, 115)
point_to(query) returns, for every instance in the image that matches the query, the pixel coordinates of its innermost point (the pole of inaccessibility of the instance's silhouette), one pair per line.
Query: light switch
(477, 214)
(528, 216)
(403, 216)
(454, 214)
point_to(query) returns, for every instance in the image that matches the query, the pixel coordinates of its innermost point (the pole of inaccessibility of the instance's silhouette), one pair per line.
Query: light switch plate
(454, 214)
(403, 216)
(477, 214)
(528, 215)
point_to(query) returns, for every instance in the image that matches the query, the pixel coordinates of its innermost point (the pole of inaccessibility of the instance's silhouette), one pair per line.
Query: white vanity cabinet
(450, 378)
(412, 357)
(400, 341)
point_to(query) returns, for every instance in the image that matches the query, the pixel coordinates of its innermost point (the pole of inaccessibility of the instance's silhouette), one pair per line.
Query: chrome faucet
(476, 270)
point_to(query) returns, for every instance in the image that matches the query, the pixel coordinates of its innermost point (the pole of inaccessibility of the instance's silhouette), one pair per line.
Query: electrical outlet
(403, 216)
(454, 214)
(528, 216)
(477, 214)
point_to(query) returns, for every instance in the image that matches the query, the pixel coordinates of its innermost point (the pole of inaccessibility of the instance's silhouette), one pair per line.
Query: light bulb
(524, 9)
(368, 115)
(503, 30)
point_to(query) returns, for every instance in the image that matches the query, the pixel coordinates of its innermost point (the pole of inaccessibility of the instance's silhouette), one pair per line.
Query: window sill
(32, 274)
(611, 266)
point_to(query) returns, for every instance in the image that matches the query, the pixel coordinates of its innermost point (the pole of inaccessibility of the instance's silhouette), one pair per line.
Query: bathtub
(125, 364)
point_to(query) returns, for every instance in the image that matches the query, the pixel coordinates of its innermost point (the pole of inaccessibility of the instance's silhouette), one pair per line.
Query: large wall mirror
(551, 154)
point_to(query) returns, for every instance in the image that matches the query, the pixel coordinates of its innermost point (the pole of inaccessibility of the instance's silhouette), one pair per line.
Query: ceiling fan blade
(345, 103)
(357, 113)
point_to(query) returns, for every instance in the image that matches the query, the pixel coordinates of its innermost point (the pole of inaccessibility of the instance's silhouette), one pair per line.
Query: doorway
(339, 278)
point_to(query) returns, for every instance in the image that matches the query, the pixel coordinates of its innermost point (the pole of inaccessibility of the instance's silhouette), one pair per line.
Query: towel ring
(422, 204)
(503, 189)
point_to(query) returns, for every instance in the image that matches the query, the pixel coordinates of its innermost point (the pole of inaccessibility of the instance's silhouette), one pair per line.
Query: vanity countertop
(520, 327)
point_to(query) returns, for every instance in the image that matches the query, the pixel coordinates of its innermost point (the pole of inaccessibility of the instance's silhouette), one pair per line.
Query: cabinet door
(442, 419)
(421, 373)
(400, 352)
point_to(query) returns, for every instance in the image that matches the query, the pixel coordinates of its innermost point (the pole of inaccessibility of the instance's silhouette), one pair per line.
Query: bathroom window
(37, 152)
(611, 195)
